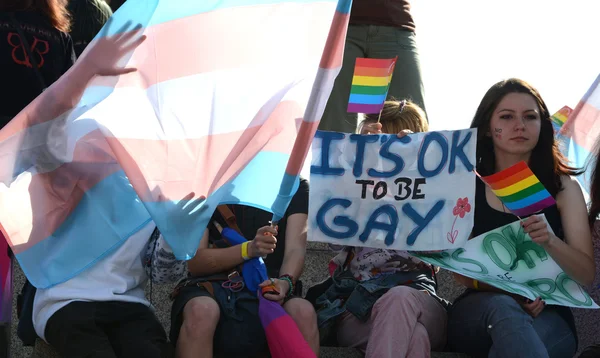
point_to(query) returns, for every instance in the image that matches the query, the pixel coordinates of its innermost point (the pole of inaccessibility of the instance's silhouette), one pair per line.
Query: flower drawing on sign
(460, 210)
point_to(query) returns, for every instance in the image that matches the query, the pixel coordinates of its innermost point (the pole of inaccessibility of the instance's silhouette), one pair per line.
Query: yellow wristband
(476, 284)
(245, 251)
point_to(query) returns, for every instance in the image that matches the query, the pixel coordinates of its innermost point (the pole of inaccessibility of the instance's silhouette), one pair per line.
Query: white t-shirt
(118, 277)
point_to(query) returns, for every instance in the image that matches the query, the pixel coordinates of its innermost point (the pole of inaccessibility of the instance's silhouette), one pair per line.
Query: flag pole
(321, 90)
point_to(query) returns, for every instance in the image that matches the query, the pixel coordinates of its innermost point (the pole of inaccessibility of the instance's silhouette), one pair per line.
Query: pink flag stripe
(51, 104)
(181, 165)
(283, 333)
(231, 49)
(54, 195)
(175, 166)
(583, 131)
(306, 134)
(580, 124)
(334, 48)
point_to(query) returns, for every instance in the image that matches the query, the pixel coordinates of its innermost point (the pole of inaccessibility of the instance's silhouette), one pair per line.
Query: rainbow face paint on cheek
(498, 133)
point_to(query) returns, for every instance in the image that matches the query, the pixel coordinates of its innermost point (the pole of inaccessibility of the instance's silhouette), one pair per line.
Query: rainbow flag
(225, 102)
(559, 118)
(284, 337)
(520, 190)
(581, 131)
(370, 84)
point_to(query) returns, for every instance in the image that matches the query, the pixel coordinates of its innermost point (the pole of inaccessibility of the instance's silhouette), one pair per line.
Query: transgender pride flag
(581, 131)
(225, 102)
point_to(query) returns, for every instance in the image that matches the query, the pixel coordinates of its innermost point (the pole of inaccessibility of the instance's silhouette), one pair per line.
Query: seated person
(486, 321)
(103, 312)
(408, 319)
(212, 314)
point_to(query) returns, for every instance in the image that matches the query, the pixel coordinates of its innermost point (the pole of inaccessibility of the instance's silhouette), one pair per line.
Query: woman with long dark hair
(35, 50)
(514, 125)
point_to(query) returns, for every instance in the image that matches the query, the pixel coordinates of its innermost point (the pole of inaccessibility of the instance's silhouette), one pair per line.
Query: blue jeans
(486, 324)
(373, 41)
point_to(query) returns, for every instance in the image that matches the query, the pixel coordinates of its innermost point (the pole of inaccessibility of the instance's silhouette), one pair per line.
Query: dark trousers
(107, 329)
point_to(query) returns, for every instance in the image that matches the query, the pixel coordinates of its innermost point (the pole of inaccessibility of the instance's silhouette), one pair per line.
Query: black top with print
(52, 49)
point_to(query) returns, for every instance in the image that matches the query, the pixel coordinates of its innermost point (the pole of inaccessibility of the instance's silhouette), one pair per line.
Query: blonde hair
(397, 116)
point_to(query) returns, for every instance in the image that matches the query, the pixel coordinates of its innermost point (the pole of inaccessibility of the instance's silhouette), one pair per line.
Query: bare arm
(295, 245)
(575, 254)
(210, 260)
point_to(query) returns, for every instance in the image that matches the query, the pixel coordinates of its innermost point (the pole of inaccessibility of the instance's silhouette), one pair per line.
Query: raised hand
(404, 132)
(184, 214)
(371, 128)
(104, 55)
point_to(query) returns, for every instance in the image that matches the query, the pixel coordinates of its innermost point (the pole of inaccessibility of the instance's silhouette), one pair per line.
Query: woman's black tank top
(488, 218)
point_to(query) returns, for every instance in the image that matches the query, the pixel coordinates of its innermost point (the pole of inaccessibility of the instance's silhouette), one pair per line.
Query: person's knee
(200, 316)
(301, 311)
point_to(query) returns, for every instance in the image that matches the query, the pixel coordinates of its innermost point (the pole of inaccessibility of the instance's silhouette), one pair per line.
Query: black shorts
(239, 332)
(107, 329)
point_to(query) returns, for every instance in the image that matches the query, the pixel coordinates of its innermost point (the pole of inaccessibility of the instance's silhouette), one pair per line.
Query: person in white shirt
(103, 312)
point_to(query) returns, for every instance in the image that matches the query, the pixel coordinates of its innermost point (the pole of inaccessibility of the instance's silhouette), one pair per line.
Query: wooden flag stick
(379, 118)
(388, 87)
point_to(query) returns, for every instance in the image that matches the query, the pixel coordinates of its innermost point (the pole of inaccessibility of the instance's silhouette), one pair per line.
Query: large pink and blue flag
(226, 99)
(580, 133)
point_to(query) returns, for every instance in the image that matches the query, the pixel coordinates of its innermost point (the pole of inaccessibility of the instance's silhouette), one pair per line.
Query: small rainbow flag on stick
(370, 84)
(559, 118)
(520, 190)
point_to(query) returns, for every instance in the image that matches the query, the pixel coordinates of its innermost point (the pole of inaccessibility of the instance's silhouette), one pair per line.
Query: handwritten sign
(411, 193)
(506, 258)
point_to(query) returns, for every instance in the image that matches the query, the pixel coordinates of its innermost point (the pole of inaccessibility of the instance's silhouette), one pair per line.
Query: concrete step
(318, 256)
(42, 350)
